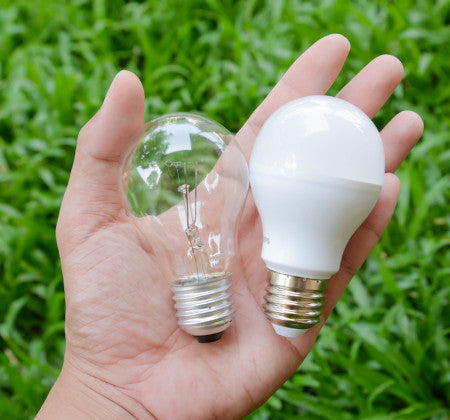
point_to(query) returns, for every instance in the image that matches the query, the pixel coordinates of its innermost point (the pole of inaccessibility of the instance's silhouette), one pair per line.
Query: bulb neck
(294, 302)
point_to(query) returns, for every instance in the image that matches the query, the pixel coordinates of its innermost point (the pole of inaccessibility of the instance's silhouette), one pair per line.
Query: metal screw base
(203, 305)
(294, 302)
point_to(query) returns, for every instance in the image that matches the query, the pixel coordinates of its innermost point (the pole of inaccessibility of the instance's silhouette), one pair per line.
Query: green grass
(383, 354)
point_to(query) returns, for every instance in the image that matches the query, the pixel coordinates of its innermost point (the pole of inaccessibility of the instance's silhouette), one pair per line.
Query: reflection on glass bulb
(316, 171)
(187, 183)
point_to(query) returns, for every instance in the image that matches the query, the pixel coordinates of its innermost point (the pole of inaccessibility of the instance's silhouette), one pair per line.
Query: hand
(125, 355)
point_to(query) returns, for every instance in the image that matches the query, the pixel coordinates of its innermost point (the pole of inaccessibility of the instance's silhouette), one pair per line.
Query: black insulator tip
(209, 338)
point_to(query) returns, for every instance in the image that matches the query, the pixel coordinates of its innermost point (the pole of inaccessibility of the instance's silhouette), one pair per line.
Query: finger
(311, 74)
(374, 84)
(399, 137)
(94, 185)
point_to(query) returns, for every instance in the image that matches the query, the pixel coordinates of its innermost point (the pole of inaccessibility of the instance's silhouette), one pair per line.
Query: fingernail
(111, 87)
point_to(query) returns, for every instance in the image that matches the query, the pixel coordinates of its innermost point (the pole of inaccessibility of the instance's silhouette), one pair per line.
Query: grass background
(383, 354)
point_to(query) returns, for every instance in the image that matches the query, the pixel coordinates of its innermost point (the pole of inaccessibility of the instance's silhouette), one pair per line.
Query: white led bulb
(316, 171)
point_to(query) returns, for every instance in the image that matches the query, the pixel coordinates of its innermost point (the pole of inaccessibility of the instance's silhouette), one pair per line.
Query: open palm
(125, 354)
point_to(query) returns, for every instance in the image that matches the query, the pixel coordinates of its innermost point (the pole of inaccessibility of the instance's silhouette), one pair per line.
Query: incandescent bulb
(187, 183)
(316, 171)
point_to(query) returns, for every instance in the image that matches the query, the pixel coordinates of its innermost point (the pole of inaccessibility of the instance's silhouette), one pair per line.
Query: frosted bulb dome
(320, 135)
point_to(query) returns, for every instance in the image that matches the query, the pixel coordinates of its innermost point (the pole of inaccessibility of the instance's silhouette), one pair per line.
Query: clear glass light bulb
(316, 171)
(187, 182)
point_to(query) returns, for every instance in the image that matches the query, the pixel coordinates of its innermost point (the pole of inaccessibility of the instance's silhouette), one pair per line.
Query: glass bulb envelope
(187, 183)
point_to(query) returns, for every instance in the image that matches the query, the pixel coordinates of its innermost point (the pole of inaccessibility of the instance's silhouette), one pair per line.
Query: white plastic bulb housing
(187, 182)
(316, 171)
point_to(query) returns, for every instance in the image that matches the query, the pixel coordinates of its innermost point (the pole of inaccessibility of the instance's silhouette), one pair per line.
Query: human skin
(125, 354)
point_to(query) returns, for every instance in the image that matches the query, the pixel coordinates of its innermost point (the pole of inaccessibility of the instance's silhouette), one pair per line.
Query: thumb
(94, 193)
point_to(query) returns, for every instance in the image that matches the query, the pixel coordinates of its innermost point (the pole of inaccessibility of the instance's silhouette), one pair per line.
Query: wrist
(76, 396)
